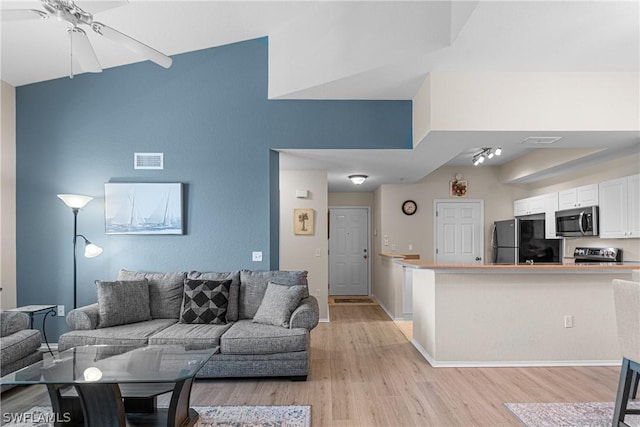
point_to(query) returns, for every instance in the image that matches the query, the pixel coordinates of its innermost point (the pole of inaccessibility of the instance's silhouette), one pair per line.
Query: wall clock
(409, 207)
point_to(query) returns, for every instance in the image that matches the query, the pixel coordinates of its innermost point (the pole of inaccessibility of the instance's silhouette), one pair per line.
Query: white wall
(8, 298)
(358, 198)
(417, 230)
(534, 101)
(299, 252)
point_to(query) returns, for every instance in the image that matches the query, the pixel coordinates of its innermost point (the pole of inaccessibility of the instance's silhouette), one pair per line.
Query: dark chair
(627, 302)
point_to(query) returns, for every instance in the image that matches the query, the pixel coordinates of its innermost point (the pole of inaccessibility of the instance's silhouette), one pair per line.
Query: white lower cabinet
(620, 208)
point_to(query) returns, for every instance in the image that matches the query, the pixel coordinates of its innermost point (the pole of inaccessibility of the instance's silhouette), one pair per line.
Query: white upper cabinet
(620, 208)
(580, 197)
(550, 208)
(546, 204)
(529, 206)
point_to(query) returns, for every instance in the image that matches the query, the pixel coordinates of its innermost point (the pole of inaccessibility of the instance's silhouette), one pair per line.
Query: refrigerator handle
(494, 251)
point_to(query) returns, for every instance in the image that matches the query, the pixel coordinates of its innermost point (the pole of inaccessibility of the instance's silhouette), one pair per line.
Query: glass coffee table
(108, 386)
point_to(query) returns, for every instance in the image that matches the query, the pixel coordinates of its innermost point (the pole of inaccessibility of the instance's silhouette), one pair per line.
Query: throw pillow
(205, 301)
(122, 302)
(165, 291)
(278, 303)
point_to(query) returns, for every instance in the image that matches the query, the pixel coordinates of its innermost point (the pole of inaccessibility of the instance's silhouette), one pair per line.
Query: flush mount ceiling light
(486, 153)
(358, 179)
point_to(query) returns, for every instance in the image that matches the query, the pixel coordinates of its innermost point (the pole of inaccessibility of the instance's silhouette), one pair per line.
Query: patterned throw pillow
(205, 301)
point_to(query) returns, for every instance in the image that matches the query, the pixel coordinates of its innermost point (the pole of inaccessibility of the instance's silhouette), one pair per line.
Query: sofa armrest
(83, 318)
(306, 315)
(12, 322)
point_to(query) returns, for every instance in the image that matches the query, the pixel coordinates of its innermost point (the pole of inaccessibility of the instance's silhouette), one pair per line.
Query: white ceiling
(359, 50)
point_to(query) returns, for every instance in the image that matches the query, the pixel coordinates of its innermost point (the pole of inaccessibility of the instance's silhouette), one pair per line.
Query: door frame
(435, 223)
(369, 264)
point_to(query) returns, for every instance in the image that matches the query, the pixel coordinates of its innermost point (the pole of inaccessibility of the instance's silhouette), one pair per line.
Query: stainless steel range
(598, 255)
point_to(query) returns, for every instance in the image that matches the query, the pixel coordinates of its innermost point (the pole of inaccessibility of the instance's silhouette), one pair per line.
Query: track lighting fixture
(486, 153)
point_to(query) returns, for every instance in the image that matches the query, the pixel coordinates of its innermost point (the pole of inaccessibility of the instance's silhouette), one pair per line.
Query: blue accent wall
(210, 116)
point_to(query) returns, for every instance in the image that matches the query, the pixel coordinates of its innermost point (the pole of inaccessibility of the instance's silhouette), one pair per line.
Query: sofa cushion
(253, 285)
(193, 336)
(205, 301)
(131, 334)
(234, 290)
(18, 345)
(122, 302)
(165, 291)
(12, 322)
(246, 337)
(278, 303)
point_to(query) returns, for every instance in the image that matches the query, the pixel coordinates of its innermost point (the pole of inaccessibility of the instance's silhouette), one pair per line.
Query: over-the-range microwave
(577, 222)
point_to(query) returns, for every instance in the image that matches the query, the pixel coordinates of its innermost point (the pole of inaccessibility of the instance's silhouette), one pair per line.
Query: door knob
(365, 257)
(478, 258)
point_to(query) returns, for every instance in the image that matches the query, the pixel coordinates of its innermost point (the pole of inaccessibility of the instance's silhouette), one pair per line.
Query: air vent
(544, 140)
(148, 160)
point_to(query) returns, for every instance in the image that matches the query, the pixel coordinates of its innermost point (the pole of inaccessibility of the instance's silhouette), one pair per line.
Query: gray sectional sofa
(19, 345)
(248, 347)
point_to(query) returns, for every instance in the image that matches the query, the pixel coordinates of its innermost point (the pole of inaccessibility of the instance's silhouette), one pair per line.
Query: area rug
(594, 414)
(210, 416)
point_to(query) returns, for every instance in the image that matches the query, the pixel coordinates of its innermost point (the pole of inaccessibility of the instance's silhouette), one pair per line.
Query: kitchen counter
(539, 267)
(515, 315)
(396, 255)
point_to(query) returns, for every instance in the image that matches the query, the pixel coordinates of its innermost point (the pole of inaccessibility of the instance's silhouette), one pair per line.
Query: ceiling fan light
(358, 179)
(490, 155)
(498, 151)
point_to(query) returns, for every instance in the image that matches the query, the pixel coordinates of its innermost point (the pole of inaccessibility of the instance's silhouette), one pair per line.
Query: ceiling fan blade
(21, 14)
(132, 44)
(81, 48)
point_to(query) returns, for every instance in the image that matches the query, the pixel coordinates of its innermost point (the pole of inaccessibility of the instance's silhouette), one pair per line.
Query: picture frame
(458, 188)
(143, 208)
(303, 222)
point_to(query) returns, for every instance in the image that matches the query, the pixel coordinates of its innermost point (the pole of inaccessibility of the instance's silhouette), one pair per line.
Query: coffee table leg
(68, 409)
(101, 405)
(179, 413)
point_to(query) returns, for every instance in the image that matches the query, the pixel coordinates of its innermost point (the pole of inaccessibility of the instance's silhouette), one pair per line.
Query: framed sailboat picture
(143, 208)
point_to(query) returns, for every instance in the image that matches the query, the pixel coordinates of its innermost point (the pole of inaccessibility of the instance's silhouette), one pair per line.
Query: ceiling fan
(67, 11)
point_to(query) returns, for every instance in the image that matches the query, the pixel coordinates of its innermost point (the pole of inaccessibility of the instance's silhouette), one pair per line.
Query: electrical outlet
(60, 310)
(393, 247)
(568, 321)
(256, 256)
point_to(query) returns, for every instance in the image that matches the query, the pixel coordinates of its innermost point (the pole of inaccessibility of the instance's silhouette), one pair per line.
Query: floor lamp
(77, 202)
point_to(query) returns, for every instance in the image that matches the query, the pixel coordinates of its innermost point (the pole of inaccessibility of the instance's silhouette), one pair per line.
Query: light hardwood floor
(364, 372)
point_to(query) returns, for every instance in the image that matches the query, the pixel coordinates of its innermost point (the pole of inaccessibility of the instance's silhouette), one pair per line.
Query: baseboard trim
(511, 364)
(386, 310)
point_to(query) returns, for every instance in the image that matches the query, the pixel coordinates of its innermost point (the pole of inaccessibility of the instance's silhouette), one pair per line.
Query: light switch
(318, 252)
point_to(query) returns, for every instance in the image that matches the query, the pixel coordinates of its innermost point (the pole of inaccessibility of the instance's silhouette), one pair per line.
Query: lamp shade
(91, 250)
(75, 201)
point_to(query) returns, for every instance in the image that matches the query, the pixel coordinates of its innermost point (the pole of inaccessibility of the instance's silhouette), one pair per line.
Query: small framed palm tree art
(303, 222)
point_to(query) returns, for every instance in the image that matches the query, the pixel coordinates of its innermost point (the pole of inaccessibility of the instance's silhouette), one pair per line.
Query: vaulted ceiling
(348, 49)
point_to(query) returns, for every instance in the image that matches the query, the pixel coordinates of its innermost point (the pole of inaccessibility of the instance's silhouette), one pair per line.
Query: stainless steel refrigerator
(522, 240)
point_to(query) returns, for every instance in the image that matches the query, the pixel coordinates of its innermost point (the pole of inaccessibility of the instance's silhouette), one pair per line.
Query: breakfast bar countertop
(540, 267)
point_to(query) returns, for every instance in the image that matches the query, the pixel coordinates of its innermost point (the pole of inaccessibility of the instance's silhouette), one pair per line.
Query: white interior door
(459, 232)
(348, 251)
